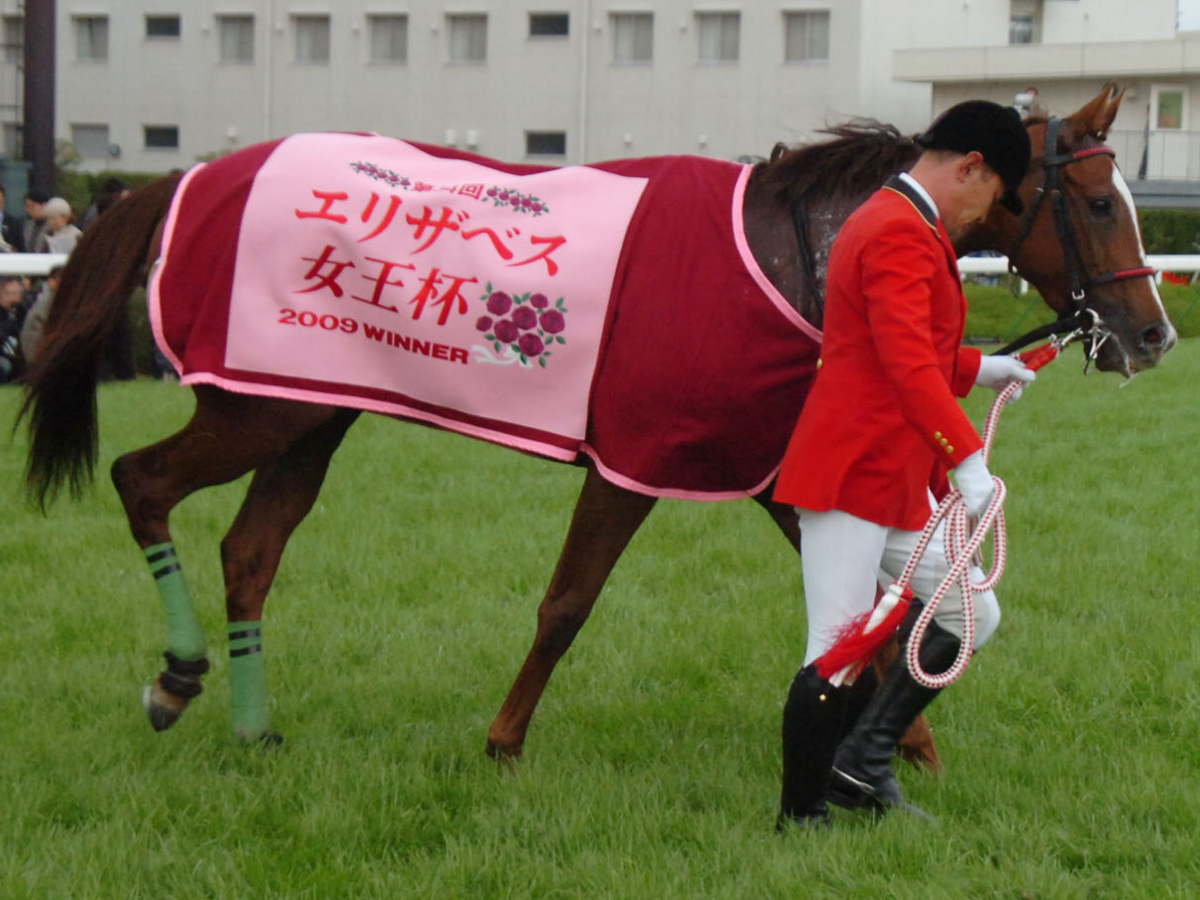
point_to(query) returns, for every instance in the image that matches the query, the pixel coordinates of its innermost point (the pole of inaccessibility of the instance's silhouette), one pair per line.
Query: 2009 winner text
(348, 325)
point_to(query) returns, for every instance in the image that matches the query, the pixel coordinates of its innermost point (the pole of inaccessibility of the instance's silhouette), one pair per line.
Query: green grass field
(406, 602)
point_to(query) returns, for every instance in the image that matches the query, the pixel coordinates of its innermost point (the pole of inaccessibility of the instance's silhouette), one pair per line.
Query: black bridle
(1076, 314)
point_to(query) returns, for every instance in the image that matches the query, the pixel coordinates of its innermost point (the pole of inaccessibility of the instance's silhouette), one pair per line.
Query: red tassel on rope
(861, 639)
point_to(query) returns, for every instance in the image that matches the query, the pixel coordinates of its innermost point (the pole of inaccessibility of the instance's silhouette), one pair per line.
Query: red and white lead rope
(963, 546)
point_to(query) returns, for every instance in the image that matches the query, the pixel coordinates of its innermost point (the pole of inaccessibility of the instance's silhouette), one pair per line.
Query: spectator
(111, 191)
(12, 314)
(60, 235)
(35, 319)
(12, 235)
(35, 219)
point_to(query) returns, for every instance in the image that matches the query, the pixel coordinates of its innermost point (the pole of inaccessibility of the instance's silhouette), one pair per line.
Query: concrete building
(150, 85)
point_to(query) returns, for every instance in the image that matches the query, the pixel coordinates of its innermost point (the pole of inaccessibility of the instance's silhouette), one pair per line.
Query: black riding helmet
(993, 130)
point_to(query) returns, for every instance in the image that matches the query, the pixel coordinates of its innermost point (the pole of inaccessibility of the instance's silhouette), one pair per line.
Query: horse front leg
(605, 519)
(280, 495)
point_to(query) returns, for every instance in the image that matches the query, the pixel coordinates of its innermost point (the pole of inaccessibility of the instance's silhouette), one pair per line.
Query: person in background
(35, 219)
(111, 191)
(12, 315)
(35, 319)
(60, 235)
(12, 232)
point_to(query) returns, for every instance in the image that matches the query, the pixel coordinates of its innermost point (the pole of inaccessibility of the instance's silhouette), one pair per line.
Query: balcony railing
(1157, 155)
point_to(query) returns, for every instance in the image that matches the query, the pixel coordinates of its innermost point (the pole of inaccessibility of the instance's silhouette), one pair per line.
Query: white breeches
(846, 558)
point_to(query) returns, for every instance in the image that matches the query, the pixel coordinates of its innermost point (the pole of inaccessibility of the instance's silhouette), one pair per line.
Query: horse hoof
(506, 758)
(162, 708)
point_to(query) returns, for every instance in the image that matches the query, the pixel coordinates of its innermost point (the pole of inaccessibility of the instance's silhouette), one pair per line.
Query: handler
(879, 430)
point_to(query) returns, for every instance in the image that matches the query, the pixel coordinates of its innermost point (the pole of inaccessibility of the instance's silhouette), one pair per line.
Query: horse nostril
(1158, 338)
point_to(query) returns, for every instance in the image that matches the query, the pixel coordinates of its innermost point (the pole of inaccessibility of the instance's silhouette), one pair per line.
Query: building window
(806, 36)
(545, 143)
(90, 140)
(162, 26)
(13, 36)
(161, 137)
(633, 37)
(719, 35)
(468, 37)
(312, 39)
(91, 38)
(389, 38)
(1020, 29)
(1168, 105)
(11, 140)
(549, 24)
(1025, 22)
(236, 37)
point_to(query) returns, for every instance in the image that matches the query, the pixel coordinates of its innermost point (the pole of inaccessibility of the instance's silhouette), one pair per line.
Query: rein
(1074, 315)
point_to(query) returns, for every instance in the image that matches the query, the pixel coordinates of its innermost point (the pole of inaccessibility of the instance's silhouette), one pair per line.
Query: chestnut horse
(1081, 249)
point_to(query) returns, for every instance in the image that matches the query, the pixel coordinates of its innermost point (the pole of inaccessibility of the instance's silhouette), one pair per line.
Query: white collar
(916, 186)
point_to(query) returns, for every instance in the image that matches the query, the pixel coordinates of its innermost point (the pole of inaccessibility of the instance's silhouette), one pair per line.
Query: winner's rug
(610, 309)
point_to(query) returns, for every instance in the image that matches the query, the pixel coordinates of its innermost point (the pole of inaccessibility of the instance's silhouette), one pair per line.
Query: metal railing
(1164, 155)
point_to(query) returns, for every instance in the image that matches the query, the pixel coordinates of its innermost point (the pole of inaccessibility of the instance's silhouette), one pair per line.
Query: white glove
(975, 483)
(996, 372)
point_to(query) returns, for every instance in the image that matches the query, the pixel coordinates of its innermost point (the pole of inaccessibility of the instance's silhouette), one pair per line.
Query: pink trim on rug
(751, 264)
(538, 448)
(650, 490)
(160, 265)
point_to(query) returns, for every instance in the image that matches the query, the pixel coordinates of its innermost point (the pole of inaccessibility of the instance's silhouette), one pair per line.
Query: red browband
(1094, 151)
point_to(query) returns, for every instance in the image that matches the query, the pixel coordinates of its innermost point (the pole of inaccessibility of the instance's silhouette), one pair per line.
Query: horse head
(1078, 240)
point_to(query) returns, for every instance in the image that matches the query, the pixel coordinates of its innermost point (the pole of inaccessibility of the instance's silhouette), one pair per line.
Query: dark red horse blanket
(612, 309)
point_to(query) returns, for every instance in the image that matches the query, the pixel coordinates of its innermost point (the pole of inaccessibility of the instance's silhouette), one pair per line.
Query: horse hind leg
(227, 436)
(605, 519)
(280, 496)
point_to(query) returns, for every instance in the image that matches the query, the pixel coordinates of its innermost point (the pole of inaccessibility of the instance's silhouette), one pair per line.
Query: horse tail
(108, 262)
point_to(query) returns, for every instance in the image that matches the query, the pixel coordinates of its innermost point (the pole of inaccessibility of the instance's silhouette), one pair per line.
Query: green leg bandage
(248, 680)
(185, 638)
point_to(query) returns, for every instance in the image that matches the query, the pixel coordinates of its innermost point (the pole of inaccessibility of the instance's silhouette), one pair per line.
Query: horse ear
(1096, 117)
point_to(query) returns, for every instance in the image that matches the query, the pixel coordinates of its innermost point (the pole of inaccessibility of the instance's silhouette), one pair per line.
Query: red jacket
(881, 424)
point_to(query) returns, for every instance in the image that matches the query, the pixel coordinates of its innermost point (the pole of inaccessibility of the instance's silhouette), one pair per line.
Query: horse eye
(1102, 207)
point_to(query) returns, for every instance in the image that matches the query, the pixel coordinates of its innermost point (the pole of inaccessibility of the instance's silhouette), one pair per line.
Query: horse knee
(559, 620)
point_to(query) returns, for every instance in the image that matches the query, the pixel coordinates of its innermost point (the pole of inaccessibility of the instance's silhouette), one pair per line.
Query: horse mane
(858, 158)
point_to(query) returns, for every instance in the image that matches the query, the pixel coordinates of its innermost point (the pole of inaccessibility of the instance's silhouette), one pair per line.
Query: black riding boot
(862, 775)
(812, 725)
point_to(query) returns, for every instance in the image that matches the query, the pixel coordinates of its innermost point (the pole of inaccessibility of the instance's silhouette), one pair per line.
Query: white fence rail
(29, 263)
(42, 263)
(998, 265)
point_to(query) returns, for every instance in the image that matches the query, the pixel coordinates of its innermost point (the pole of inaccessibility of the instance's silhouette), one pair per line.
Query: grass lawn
(406, 603)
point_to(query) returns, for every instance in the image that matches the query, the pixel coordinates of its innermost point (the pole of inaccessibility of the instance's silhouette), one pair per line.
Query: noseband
(1075, 314)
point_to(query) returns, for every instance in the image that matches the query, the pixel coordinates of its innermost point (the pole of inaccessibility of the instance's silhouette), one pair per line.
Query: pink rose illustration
(539, 301)
(552, 321)
(531, 344)
(524, 318)
(499, 303)
(506, 331)
(484, 323)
